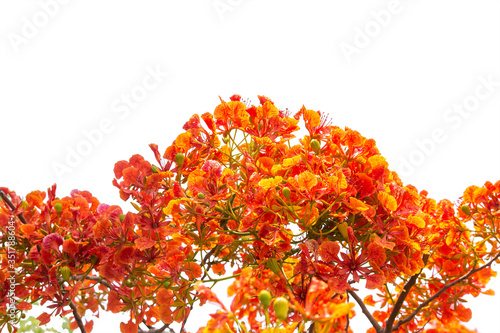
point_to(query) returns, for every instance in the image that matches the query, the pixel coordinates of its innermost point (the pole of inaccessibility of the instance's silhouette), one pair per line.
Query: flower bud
(128, 283)
(343, 229)
(280, 307)
(66, 273)
(179, 159)
(201, 196)
(286, 192)
(154, 169)
(273, 265)
(465, 209)
(58, 207)
(265, 298)
(314, 144)
(94, 259)
(24, 204)
(121, 217)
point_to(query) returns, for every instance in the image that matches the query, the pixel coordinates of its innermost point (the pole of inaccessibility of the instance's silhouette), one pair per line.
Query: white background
(63, 74)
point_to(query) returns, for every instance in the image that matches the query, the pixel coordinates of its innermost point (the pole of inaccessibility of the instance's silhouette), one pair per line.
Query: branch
(442, 290)
(367, 313)
(94, 278)
(156, 330)
(406, 290)
(77, 317)
(12, 206)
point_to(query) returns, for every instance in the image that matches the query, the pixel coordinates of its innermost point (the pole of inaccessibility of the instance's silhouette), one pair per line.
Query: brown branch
(102, 281)
(367, 313)
(156, 330)
(399, 302)
(77, 317)
(442, 290)
(12, 206)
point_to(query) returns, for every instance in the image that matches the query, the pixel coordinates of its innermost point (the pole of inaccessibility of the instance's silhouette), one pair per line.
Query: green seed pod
(265, 298)
(201, 196)
(314, 144)
(465, 209)
(121, 217)
(286, 192)
(179, 159)
(58, 207)
(154, 169)
(280, 307)
(66, 273)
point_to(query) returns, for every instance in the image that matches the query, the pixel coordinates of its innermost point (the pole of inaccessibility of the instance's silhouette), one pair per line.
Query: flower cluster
(238, 196)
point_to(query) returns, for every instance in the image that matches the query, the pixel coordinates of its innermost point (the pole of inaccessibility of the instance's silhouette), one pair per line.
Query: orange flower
(306, 181)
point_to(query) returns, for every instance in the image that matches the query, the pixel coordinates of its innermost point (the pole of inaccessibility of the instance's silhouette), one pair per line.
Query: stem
(12, 206)
(442, 290)
(77, 317)
(239, 324)
(278, 323)
(399, 302)
(367, 313)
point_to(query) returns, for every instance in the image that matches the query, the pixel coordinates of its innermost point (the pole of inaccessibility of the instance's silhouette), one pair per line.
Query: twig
(77, 317)
(347, 318)
(12, 206)
(399, 302)
(185, 319)
(442, 290)
(422, 328)
(148, 326)
(367, 313)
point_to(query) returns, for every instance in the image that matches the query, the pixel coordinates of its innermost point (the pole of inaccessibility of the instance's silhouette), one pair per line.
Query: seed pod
(465, 209)
(286, 192)
(201, 196)
(66, 273)
(179, 159)
(280, 307)
(58, 207)
(265, 298)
